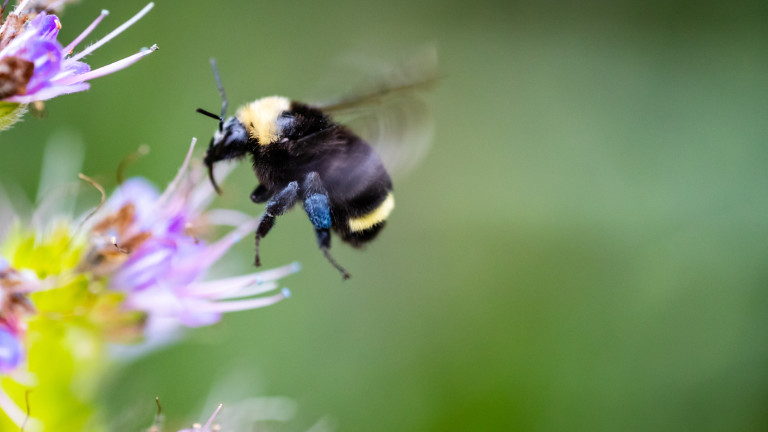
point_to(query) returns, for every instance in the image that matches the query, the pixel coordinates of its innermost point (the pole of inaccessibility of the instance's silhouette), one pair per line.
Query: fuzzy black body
(350, 170)
(300, 154)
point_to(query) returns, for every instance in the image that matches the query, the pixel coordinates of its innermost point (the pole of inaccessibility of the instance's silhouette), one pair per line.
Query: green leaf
(10, 113)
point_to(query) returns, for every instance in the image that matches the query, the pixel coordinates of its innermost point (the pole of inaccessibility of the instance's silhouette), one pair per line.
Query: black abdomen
(360, 191)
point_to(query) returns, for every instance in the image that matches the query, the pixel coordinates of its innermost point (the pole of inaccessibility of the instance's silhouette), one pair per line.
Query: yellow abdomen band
(378, 215)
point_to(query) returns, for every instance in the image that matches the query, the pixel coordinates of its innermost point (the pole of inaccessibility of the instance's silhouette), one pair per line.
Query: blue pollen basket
(318, 210)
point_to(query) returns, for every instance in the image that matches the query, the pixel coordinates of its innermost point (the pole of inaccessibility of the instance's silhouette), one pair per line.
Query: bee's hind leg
(324, 241)
(318, 208)
(277, 205)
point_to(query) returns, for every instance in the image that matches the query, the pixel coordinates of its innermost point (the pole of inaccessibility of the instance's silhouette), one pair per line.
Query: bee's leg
(318, 208)
(277, 205)
(260, 194)
(324, 240)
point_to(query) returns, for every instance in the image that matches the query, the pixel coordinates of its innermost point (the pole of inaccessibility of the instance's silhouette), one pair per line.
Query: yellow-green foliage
(66, 338)
(10, 113)
(53, 253)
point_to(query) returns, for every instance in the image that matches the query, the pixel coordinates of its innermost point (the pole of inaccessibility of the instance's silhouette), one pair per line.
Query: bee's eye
(285, 122)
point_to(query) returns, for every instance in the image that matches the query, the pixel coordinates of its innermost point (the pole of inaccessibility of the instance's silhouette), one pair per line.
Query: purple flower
(15, 286)
(150, 246)
(35, 67)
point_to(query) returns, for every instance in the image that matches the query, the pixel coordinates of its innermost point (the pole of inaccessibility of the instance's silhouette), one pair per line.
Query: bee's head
(230, 139)
(229, 142)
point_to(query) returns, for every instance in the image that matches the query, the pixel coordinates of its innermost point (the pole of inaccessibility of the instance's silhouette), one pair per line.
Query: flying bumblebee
(300, 153)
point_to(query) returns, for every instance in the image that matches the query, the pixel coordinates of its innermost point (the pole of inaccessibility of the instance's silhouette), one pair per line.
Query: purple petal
(44, 26)
(184, 270)
(48, 93)
(106, 70)
(239, 285)
(71, 68)
(218, 249)
(177, 224)
(114, 32)
(160, 302)
(146, 266)
(157, 301)
(85, 32)
(197, 314)
(46, 55)
(209, 423)
(37, 29)
(174, 184)
(141, 193)
(253, 303)
(11, 351)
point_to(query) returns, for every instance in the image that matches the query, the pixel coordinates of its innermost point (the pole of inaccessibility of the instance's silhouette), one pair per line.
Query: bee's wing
(391, 114)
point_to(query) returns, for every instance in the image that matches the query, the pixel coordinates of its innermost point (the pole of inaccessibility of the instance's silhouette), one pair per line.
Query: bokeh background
(583, 249)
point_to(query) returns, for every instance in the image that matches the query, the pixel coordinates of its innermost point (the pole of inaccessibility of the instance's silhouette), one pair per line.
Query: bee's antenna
(209, 114)
(221, 92)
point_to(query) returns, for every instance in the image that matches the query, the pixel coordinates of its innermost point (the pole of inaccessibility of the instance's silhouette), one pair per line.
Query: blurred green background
(583, 249)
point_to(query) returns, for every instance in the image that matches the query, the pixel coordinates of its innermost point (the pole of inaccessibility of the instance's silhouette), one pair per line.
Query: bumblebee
(300, 154)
